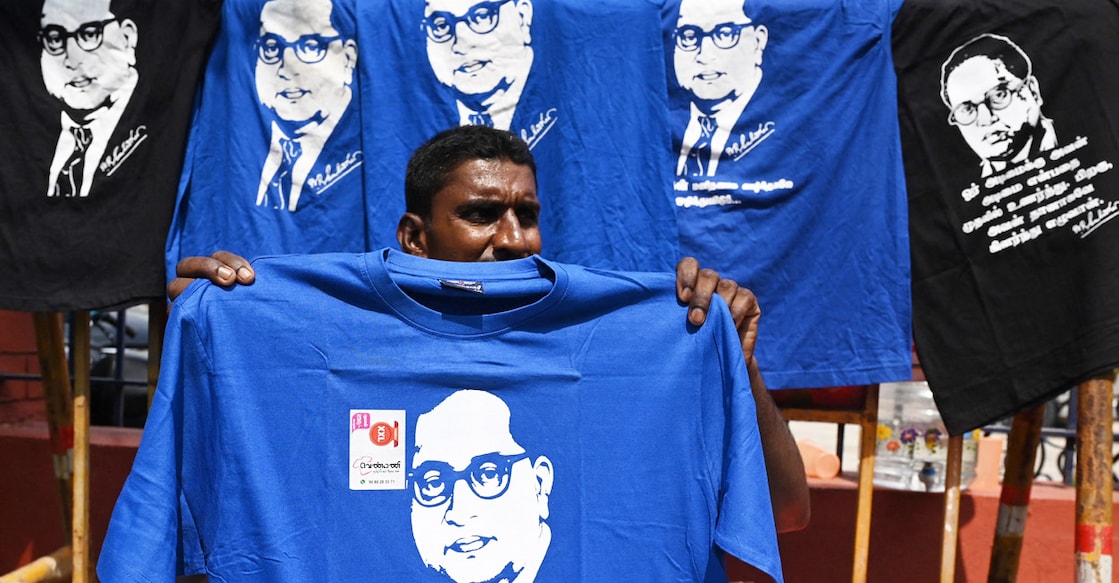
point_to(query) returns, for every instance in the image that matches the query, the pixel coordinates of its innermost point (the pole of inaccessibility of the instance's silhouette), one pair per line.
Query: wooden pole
(868, 434)
(1018, 479)
(56, 393)
(80, 531)
(157, 325)
(951, 509)
(53, 567)
(1093, 480)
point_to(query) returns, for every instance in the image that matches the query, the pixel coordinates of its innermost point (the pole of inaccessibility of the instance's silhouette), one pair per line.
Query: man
(482, 51)
(480, 501)
(471, 196)
(995, 102)
(304, 77)
(89, 65)
(717, 58)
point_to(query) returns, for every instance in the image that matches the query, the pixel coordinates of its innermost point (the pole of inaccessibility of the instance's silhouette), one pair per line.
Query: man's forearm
(788, 485)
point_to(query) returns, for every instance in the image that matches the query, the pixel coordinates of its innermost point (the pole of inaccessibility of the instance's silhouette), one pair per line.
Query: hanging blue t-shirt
(550, 72)
(387, 417)
(592, 125)
(788, 177)
(275, 152)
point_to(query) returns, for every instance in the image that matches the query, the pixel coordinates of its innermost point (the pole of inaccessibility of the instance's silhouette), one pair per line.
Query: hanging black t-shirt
(1010, 135)
(94, 112)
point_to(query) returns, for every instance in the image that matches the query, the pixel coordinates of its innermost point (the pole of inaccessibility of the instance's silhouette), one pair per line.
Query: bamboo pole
(951, 533)
(1014, 501)
(56, 393)
(80, 530)
(53, 567)
(868, 434)
(1093, 480)
(157, 325)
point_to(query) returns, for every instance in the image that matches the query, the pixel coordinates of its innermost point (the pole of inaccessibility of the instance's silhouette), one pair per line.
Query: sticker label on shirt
(377, 449)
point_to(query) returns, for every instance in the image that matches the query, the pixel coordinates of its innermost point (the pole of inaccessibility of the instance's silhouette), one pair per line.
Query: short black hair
(432, 162)
(993, 46)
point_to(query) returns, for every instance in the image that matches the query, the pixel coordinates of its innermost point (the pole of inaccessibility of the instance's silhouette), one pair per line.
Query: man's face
(981, 86)
(478, 501)
(478, 48)
(291, 34)
(488, 211)
(717, 54)
(92, 64)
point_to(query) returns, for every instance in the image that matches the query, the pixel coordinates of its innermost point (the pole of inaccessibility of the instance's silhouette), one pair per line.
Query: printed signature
(747, 142)
(539, 128)
(1096, 218)
(123, 150)
(335, 172)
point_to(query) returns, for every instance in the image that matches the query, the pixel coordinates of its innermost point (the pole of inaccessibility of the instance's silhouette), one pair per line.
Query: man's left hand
(696, 287)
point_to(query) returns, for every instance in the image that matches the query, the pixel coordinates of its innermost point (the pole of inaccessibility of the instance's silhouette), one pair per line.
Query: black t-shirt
(94, 112)
(1013, 188)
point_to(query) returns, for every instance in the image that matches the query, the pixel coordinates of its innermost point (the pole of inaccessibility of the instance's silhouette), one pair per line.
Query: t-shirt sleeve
(151, 536)
(745, 526)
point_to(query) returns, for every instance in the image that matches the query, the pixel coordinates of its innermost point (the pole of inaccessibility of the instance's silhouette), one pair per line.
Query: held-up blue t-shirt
(356, 417)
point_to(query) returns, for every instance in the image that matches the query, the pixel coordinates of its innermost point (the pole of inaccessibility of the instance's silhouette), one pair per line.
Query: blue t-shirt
(788, 178)
(386, 417)
(274, 160)
(593, 127)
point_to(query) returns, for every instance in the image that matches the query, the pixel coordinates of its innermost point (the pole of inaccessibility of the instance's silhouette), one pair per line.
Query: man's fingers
(687, 271)
(222, 268)
(704, 288)
(205, 268)
(746, 311)
(237, 264)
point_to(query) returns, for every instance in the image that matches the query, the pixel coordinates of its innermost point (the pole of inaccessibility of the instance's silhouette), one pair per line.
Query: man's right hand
(222, 268)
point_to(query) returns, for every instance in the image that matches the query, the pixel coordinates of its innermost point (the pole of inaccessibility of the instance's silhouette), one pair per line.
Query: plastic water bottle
(912, 443)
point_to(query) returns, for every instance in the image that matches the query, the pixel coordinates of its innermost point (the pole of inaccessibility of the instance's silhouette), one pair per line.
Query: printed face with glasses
(479, 500)
(478, 48)
(88, 53)
(717, 50)
(995, 110)
(304, 67)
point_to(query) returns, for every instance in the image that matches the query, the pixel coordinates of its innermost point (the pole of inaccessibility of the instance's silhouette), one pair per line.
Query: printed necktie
(700, 156)
(69, 181)
(281, 181)
(481, 119)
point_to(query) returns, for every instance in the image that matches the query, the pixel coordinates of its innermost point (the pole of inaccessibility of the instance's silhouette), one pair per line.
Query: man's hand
(222, 268)
(696, 287)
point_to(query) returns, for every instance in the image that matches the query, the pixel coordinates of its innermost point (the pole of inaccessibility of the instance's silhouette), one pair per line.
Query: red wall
(20, 400)
(30, 500)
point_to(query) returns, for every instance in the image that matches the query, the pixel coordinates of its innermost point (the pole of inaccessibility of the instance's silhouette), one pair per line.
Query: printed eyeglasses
(724, 36)
(433, 482)
(482, 18)
(309, 48)
(996, 99)
(88, 36)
